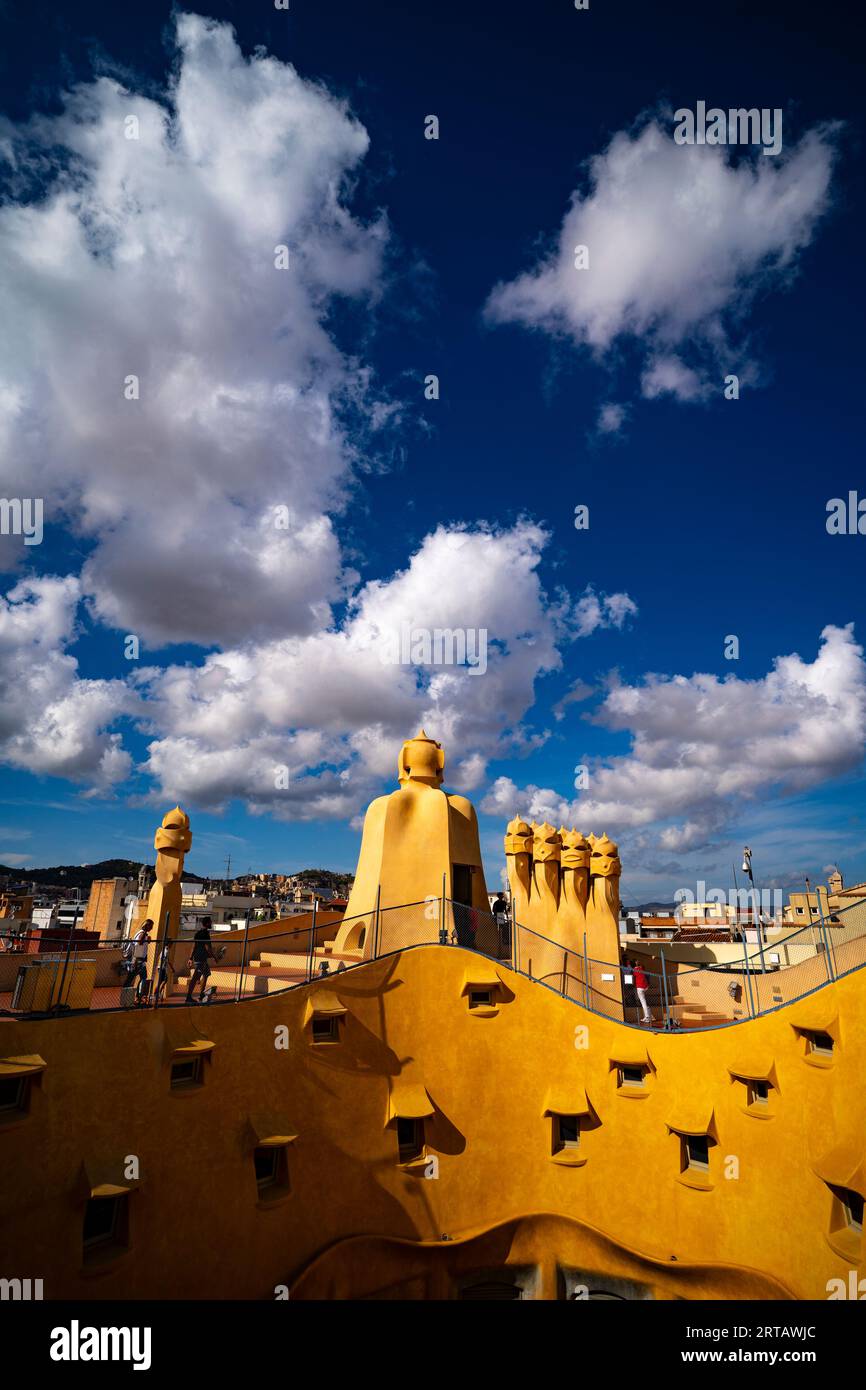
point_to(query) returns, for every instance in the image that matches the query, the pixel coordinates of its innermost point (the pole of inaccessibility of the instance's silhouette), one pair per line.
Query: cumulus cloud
(703, 747)
(154, 257)
(332, 706)
(680, 240)
(52, 721)
(203, 496)
(506, 800)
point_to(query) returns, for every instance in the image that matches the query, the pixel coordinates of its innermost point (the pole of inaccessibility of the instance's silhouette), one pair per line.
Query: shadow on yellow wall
(404, 1109)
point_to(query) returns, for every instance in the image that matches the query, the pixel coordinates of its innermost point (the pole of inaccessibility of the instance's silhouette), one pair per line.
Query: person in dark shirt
(503, 927)
(202, 955)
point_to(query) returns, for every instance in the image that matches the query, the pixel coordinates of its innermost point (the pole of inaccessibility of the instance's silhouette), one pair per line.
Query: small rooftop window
(566, 1132)
(410, 1139)
(696, 1152)
(106, 1226)
(852, 1203)
(326, 1029)
(14, 1095)
(186, 1072)
(634, 1075)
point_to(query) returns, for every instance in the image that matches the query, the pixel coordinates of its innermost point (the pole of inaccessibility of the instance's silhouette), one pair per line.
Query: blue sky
(707, 516)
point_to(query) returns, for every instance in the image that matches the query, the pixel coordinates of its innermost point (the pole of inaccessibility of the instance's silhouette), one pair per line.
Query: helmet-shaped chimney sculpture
(418, 842)
(421, 760)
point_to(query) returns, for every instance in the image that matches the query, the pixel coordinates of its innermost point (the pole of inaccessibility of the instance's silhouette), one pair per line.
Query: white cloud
(328, 706)
(506, 800)
(154, 257)
(670, 376)
(576, 694)
(680, 241)
(469, 775)
(594, 610)
(51, 721)
(611, 418)
(703, 748)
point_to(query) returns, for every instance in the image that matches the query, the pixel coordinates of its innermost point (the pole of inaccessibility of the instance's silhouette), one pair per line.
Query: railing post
(443, 939)
(72, 930)
(585, 972)
(515, 945)
(377, 935)
(748, 976)
(760, 927)
(831, 964)
(244, 953)
(665, 991)
(809, 910)
(161, 946)
(311, 956)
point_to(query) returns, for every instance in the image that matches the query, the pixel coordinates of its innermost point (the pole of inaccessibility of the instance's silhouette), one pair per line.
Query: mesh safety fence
(845, 934)
(477, 930)
(68, 973)
(414, 924)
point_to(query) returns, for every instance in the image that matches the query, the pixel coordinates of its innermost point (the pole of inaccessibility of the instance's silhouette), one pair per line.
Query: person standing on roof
(202, 955)
(641, 985)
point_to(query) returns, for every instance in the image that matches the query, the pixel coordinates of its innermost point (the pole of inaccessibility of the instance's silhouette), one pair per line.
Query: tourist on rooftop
(202, 955)
(138, 964)
(641, 985)
(500, 914)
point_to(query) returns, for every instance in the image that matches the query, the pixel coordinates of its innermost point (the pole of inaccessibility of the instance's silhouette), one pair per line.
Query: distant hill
(337, 884)
(664, 908)
(81, 875)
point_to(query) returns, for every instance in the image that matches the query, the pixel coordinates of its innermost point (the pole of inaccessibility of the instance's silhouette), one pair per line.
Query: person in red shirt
(641, 984)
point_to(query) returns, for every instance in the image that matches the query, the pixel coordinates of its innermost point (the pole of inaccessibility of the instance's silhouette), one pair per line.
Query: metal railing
(259, 961)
